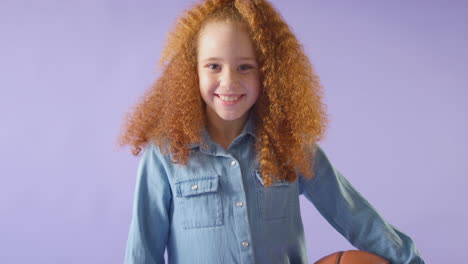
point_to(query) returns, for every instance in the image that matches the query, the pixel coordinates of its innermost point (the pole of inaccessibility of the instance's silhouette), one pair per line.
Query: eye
(213, 66)
(245, 67)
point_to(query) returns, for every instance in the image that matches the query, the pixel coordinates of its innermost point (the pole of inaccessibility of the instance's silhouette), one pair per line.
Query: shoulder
(319, 155)
(319, 162)
(153, 155)
(151, 150)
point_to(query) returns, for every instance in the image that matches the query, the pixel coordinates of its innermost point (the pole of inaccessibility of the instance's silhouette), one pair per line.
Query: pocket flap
(282, 182)
(189, 187)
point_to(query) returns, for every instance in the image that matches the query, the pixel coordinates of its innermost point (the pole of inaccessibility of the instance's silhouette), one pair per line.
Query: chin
(230, 117)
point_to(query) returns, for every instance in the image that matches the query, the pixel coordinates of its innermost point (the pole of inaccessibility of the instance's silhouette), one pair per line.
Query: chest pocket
(200, 201)
(276, 201)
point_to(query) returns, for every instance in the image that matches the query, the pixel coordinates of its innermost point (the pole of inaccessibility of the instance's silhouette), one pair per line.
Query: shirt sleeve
(149, 226)
(353, 216)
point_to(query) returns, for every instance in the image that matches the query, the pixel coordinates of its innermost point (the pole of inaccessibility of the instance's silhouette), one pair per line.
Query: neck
(222, 131)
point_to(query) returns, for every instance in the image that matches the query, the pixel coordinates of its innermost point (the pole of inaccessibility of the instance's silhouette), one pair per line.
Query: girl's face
(227, 70)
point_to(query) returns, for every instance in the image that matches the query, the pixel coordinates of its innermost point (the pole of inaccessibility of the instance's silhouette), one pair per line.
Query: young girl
(229, 136)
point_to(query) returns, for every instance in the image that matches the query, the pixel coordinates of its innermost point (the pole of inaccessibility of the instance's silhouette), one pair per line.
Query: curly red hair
(289, 113)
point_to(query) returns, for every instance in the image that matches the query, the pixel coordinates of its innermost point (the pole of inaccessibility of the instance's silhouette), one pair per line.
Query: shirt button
(240, 204)
(194, 187)
(233, 163)
(245, 243)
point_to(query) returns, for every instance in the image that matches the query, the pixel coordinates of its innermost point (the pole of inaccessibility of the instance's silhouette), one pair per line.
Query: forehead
(224, 39)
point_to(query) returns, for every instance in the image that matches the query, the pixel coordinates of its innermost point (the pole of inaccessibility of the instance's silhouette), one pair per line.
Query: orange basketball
(352, 257)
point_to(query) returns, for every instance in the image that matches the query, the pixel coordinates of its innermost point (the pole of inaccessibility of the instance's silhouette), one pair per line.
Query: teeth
(229, 98)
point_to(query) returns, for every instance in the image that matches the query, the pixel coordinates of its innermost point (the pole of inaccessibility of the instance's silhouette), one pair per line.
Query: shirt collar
(249, 129)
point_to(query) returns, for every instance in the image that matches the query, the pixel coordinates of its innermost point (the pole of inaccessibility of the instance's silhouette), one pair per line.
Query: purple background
(395, 80)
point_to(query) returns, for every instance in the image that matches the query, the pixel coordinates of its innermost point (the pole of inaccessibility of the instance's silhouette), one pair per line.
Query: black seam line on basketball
(339, 257)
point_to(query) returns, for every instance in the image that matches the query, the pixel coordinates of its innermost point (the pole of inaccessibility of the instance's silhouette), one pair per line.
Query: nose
(229, 79)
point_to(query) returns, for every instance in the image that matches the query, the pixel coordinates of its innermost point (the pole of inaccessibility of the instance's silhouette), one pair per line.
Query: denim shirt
(217, 210)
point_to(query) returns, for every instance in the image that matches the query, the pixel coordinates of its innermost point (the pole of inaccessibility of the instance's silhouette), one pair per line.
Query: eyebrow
(238, 58)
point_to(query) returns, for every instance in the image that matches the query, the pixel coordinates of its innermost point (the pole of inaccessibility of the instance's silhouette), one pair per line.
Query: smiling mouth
(229, 99)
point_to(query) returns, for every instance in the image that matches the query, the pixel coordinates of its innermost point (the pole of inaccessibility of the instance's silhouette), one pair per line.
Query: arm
(353, 216)
(149, 227)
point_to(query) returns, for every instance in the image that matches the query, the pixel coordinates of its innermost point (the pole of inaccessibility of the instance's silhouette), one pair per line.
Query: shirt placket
(241, 217)
(239, 203)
